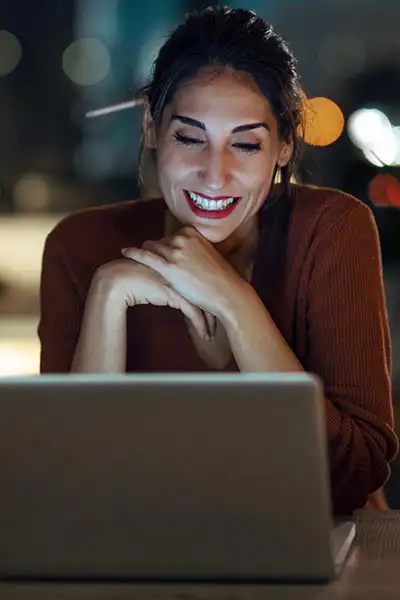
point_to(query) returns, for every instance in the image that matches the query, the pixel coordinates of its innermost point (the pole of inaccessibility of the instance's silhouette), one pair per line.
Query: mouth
(218, 207)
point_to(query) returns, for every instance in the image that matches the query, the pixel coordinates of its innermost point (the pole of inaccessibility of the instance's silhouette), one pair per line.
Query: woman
(262, 277)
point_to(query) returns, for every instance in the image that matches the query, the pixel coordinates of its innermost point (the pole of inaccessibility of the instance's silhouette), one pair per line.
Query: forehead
(225, 96)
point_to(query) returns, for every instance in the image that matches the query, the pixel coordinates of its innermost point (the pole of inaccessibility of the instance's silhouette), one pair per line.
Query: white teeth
(210, 204)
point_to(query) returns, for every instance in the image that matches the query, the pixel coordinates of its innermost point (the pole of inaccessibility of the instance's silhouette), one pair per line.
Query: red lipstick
(211, 214)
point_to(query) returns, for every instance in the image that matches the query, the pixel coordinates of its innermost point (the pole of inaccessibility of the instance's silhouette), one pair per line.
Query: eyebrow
(201, 125)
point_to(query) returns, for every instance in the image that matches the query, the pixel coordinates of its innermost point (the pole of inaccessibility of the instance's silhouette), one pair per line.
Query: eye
(188, 141)
(249, 148)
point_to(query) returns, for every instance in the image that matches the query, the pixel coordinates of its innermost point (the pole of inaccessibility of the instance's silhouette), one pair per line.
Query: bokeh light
(371, 130)
(32, 193)
(19, 358)
(396, 133)
(383, 152)
(323, 121)
(86, 61)
(10, 52)
(366, 126)
(384, 190)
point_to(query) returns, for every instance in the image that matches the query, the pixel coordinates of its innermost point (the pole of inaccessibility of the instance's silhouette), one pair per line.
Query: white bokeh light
(86, 61)
(366, 126)
(383, 151)
(10, 52)
(20, 357)
(396, 132)
(371, 130)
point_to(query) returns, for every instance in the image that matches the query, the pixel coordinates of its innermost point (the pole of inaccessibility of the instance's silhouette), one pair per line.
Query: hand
(193, 268)
(134, 284)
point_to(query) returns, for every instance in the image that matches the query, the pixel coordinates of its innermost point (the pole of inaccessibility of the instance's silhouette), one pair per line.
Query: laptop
(186, 477)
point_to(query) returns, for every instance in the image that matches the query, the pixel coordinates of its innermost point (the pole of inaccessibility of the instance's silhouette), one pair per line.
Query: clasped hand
(193, 268)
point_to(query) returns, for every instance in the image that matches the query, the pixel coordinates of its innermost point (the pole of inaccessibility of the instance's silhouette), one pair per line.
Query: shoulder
(101, 231)
(323, 212)
(109, 220)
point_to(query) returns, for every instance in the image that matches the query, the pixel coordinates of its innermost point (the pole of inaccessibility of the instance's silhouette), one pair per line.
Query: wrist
(239, 300)
(105, 292)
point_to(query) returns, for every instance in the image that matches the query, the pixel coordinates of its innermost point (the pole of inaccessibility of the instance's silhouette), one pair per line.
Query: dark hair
(239, 39)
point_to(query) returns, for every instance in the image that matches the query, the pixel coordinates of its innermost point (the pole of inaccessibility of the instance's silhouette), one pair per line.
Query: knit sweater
(318, 272)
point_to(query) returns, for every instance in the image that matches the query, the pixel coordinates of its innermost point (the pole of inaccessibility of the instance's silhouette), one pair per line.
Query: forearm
(101, 346)
(359, 454)
(256, 343)
(358, 451)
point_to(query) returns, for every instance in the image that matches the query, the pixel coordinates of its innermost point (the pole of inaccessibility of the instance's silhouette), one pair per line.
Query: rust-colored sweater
(318, 271)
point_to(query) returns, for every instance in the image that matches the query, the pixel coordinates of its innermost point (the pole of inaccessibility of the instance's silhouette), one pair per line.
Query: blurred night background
(59, 59)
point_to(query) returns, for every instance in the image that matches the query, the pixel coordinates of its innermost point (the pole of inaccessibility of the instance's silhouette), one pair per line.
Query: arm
(84, 331)
(76, 336)
(101, 346)
(255, 340)
(348, 348)
(61, 310)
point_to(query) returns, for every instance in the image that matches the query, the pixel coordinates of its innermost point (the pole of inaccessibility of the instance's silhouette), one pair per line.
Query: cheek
(165, 163)
(257, 176)
(172, 163)
(258, 187)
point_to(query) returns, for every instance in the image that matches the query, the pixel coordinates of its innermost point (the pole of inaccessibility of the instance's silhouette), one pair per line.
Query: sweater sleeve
(349, 348)
(61, 309)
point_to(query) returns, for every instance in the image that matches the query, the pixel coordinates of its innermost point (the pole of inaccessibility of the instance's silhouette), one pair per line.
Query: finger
(161, 248)
(165, 241)
(146, 257)
(193, 313)
(211, 323)
(189, 231)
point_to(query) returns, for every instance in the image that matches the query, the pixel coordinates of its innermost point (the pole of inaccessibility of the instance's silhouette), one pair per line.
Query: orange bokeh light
(323, 121)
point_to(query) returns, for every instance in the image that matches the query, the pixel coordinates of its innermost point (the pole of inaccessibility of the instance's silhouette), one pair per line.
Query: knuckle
(148, 245)
(188, 231)
(176, 255)
(179, 240)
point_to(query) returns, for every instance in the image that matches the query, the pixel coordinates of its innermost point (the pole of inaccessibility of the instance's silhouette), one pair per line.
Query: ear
(149, 128)
(285, 153)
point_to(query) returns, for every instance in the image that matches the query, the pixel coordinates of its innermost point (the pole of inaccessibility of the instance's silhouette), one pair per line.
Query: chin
(212, 234)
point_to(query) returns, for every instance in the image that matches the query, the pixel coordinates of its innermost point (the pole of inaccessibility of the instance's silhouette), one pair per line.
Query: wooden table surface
(372, 572)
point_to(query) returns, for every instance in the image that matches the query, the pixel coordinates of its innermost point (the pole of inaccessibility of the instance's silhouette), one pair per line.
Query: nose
(215, 172)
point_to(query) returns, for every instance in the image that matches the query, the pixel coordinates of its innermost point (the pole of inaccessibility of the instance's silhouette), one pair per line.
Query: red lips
(211, 214)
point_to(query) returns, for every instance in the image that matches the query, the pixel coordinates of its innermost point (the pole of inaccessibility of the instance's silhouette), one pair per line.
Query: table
(372, 572)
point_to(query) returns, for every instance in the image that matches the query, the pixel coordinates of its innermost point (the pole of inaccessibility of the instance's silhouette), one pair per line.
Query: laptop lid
(186, 477)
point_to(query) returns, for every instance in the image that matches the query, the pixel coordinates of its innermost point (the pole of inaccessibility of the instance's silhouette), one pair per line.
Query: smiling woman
(261, 276)
(221, 162)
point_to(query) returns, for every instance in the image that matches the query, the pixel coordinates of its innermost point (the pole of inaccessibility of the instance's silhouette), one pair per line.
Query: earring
(285, 155)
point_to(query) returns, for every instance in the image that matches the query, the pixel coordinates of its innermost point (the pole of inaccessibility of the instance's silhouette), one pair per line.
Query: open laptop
(166, 477)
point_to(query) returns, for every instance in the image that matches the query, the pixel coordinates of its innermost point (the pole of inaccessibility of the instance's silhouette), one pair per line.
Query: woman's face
(217, 148)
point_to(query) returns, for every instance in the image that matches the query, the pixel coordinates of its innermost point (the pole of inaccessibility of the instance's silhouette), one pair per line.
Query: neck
(240, 240)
